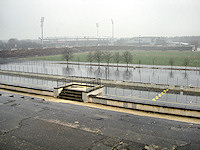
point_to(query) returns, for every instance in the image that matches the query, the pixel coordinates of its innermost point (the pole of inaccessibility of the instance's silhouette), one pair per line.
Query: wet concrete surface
(33, 123)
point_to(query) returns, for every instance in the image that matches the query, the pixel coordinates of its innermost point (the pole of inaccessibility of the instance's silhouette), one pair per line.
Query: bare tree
(153, 60)
(90, 57)
(117, 58)
(68, 54)
(186, 62)
(98, 56)
(108, 56)
(171, 61)
(139, 62)
(78, 59)
(127, 57)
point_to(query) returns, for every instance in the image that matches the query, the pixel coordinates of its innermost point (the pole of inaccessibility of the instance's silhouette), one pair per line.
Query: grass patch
(146, 57)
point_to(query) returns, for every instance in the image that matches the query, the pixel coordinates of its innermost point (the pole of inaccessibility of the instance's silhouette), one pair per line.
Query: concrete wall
(85, 96)
(57, 91)
(26, 90)
(92, 98)
(146, 107)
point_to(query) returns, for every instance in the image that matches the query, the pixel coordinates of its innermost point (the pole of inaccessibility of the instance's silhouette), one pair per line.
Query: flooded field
(145, 75)
(158, 76)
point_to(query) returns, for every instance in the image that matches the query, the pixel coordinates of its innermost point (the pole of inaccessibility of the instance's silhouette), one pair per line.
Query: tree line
(14, 44)
(100, 56)
(117, 57)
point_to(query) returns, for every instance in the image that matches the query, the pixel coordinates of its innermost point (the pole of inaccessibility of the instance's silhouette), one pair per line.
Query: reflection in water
(185, 75)
(68, 71)
(153, 74)
(107, 73)
(140, 74)
(117, 74)
(78, 67)
(106, 90)
(171, 74)
(127, 75)
(98, 72)
(90, 70)
(131, 93)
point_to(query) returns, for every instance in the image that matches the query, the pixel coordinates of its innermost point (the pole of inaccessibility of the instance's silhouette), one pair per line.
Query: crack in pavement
(75, 126)
(20, 124)
(9, 101)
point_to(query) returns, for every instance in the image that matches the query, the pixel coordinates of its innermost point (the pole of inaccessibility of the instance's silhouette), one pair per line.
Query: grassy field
(146, 57)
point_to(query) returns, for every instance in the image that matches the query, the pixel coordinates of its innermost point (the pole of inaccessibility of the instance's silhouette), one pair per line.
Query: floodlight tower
(112, 31)
(42, 21)
(97, 25)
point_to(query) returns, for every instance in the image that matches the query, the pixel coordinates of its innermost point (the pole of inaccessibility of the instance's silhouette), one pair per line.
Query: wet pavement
(33, 123)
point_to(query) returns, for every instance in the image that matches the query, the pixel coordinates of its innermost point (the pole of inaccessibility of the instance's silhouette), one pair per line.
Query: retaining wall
(26, 90)
(145, 107)
(92, 98)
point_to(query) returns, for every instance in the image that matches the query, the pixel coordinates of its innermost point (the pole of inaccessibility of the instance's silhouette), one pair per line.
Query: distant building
(76, 41)
(145, 41)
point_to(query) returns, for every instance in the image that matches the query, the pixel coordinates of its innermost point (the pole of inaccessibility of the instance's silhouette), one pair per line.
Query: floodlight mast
(97, 25)
(112, 29)
(112, 40)
(42, 21)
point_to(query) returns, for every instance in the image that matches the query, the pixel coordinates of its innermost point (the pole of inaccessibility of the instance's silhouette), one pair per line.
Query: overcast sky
(21, 18)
